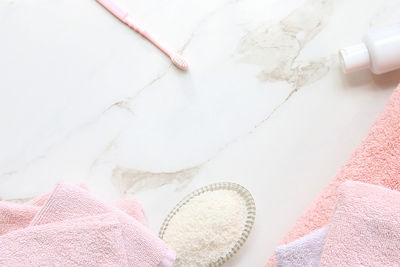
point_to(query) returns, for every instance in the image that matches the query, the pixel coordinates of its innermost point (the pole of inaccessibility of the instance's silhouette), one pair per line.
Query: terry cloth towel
(375, 161)
(15, 216)
(40, 200)
(94, 241)
(304, 252)
(68, 202)
(77, 236)
(364, 229)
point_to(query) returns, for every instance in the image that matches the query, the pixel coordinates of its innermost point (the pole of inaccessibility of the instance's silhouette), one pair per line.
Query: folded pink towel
(40, 200)
(376, 161)
(364, 229)
(15, 216)
(73, 228)
(95, 241)
(69, 202)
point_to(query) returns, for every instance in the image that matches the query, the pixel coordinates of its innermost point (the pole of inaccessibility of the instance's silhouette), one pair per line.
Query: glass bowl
(249, 222)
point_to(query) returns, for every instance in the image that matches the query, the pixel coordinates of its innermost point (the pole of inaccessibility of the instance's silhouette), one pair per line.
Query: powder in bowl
(209, 226)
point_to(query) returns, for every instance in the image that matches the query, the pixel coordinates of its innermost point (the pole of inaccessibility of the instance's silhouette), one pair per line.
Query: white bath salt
(207, 227)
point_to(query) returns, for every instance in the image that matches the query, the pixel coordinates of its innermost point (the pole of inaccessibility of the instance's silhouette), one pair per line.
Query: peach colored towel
(375, 161)
(364, 229)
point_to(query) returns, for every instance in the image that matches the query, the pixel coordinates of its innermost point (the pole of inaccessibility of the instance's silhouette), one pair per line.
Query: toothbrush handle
(130, 22)
(114, 9)
(125, 18)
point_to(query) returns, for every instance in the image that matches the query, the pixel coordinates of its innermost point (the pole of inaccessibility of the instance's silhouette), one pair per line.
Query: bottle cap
(354, 58)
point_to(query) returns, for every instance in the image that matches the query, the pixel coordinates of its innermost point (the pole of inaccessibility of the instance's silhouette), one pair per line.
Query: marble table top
(85, 99)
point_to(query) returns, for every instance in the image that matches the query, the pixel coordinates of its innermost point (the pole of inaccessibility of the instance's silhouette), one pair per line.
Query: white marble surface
(83, 98)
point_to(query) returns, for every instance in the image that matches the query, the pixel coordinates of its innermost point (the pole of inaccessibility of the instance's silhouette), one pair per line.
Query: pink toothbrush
(123, 15)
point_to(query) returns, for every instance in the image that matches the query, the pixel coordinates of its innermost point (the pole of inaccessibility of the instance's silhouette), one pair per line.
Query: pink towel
(69, 211)
(15, 216)
(376, 161)
(40, 200)
(364, 229)
(70, 202)
(95, 241)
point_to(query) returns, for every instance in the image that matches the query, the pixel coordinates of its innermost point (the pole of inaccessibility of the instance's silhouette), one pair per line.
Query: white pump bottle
(379, 52)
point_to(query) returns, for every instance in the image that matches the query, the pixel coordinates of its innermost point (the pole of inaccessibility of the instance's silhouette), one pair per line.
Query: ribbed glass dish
(251, 214)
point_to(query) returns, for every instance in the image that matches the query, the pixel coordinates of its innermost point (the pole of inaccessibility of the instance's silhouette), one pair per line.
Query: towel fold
(303, 252)
(70, 202)
(14, 216)
(70, 227)
(376, 161)
(364, 229)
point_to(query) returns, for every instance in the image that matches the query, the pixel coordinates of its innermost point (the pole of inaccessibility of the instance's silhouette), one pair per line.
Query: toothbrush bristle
(179, 62)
